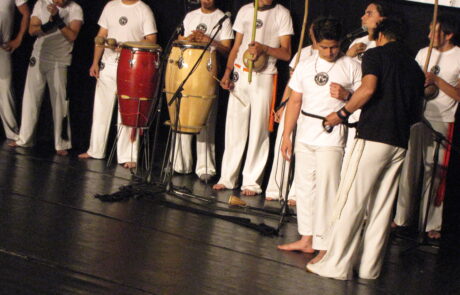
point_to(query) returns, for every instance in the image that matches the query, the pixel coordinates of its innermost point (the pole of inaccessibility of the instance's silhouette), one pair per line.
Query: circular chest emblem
(102, 66)
(123, 20)
(32, 61)
(235, 77)
(321, 78)
(202, 28)
(259, 23)
(435, 69)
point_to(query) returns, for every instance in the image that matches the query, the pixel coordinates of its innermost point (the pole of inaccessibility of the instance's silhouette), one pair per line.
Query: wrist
(343, 114)
(349, 95)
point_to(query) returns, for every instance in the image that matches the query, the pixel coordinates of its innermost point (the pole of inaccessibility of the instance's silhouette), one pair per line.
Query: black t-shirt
(398, 99)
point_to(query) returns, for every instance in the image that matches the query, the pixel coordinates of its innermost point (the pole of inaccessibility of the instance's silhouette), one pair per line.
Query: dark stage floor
(56, 238)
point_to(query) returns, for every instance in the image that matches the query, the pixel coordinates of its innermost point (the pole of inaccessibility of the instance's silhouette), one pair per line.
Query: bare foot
(13, 144)
(292, 203)
(434, 234)
(318, 257)
(219, 187)
(84, 156)
(129, 165)
(302, 245)
(62, 152)
(248, 192)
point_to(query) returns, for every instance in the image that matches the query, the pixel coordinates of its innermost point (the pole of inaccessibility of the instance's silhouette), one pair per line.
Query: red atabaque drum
(137, 76)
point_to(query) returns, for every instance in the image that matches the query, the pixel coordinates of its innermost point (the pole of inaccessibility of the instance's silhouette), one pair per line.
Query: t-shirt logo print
(435, 69)
(235, 77)
(321, 78)
(202, 28)
(259, 23)
(32, 61)
(123, 20)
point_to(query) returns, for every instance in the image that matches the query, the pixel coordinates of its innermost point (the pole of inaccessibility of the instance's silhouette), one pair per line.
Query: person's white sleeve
(227, 32)
(76, 14)
(20, 2)
(149, 24)
(37, 11)
(103, 20)
(186, 24)
(285, 24)
(419, 58)
(238, 25)
(295, 83)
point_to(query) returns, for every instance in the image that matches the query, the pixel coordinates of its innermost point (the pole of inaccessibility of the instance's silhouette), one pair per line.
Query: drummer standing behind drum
(249, 124)
(198, 27)
(56, 24)
(123, 20)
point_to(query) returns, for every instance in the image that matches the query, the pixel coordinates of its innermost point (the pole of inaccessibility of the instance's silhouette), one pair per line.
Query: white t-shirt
(447, 64)
(271, 25)
(317, 99)
(126, 23)
(6, 18)
(305, 53)
(369, 44)
(196, 20)
(53, 46)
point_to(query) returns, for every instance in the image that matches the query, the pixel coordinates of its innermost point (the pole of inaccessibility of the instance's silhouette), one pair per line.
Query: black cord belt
(328, 128)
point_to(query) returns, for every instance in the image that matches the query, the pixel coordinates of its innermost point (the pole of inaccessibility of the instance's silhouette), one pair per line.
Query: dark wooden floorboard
(56, 238)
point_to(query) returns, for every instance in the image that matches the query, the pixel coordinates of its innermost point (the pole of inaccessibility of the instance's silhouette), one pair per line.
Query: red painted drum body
(137, 77)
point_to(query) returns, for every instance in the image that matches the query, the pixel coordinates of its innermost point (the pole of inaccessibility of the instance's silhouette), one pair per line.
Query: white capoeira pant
(318, 174)
(420, 156)
(39, 74)
(247, 125)
(205, 148)
(7, 106)
(276, 179)
(104, 100)
(369, 184)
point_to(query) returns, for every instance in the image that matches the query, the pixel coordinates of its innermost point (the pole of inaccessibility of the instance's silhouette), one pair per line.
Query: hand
(256, 49)
(338, 92)
(279, 114)
(356, 49)
(12, 45)
(199, 36)
(94, 71)
(226, 83)
(52, 9)
(332, 120)
(286, 148)
(431, 78)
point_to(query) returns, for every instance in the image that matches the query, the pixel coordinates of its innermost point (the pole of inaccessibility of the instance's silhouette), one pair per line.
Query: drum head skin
(188, 44)
(141, 45)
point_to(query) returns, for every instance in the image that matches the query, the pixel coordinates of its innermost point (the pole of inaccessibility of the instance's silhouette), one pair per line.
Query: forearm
(98, 51)
(223, 47)
(69, 34)
(35, 30)
(231, 61)
(22, 28)
(451, 91)
(358, 99)
(152, 38)
(291, 116)
(281, 53)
